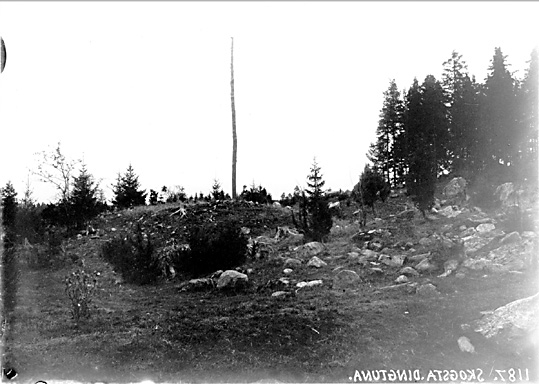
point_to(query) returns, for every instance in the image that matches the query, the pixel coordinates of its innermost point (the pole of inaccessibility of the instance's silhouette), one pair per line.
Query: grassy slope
(319, 334)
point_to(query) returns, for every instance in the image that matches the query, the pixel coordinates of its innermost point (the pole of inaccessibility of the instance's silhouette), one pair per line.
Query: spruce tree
(421, 120)
(83, 199)
(529, 119)
(462, 114)
(315, 216)
(386, 151)
(126, 190)
(498, 113)
(9, 213)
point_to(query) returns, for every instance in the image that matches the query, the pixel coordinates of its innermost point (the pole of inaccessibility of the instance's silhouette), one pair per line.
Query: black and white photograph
(269, 192)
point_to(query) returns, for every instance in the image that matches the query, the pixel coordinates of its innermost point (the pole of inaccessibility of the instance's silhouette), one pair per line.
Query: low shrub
(213, 247)
(80, 288)
(133, 257)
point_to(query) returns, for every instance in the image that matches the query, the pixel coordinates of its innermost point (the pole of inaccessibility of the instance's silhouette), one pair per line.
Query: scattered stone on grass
(288, 271)
(425, 265)
(292, 263)
(346, 279)
(310, 249)
(200, 284)
(401, 279)
(465, 345)
(485, 228)
(279, 294)
(419, 257)
(312, 283)
(449, 267)
(370, 254)
(316, 262)
(427, 290)
(232, 279)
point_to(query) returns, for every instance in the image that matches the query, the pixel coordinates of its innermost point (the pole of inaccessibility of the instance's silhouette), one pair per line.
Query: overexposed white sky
(148, 83)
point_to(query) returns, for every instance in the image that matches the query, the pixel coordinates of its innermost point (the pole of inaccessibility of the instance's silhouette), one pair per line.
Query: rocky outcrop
(513, 325)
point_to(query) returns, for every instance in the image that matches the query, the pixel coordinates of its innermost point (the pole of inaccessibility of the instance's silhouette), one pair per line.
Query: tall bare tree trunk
(234, 137)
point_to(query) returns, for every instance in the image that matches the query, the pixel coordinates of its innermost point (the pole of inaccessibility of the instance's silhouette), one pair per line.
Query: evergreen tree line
(484, 132)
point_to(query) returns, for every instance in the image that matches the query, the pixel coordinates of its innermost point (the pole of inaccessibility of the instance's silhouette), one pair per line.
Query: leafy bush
(213, 247)
(133, 257)
(80, 287)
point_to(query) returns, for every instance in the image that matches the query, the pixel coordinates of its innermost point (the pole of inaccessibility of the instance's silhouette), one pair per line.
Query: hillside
(399, 294)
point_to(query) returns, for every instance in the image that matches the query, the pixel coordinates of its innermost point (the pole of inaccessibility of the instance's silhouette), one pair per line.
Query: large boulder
(232, 279)
(514, 324)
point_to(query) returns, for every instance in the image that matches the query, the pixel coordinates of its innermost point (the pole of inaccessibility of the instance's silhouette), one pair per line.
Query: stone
(419, 257)
(528, 235)
(312, 283)
(474, 243)
(352, 255)
(276, 204)
(292, 263)
(375, 246)
(200, 284)
(409, 271)
(284, 281)
(465, 344)
(426, 241)
(288, 271)
(511, 238)
(427, 290)
(316, 262)
(245, 230)
(467, 232)
(449, 212)
(232, 279)
(516, 255)
(345, 279)
(505, 194)
(449, 267)
(310, 249)
(393, 261)
(370, 254)
(408, 245)
(279, 294)
(401, 279)
(425, 265)
(456, 187)
(513, 324)
(335, 204)
(285, 233)
(485, 228)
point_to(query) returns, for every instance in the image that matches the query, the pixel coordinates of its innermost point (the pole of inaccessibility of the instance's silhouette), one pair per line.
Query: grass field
(317, 334)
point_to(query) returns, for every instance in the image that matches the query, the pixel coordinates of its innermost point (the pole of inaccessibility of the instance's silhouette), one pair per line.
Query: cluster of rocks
(229, 279)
